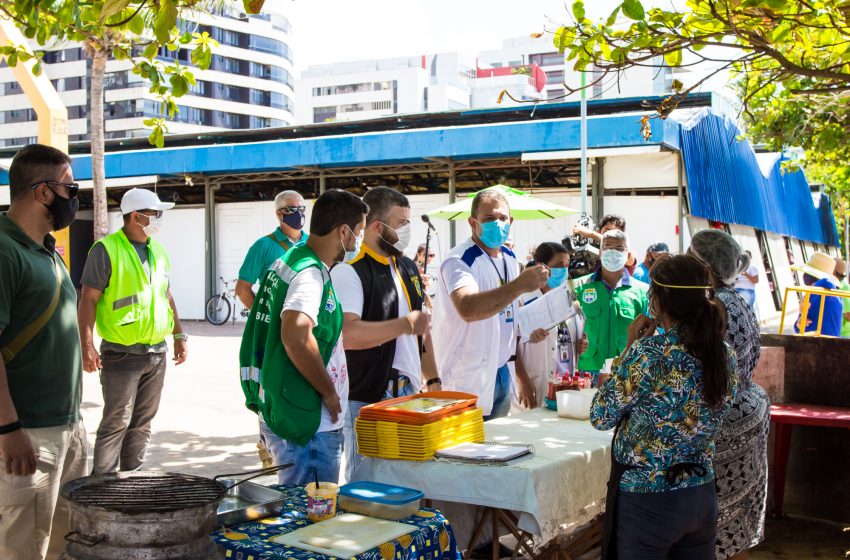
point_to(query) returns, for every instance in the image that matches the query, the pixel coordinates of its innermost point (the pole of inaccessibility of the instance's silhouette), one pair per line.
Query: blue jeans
(352, 458)
(501, 394)
(679, 524)
(748, 295)
(323, 453)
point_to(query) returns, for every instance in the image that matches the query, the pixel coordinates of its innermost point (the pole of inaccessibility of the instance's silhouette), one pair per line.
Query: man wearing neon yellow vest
(126, 293)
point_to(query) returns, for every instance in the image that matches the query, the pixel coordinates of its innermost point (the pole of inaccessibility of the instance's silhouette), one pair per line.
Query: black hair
(546, 251)
(335, 208)
(32, 164)
(381, 200)
(618, 221)
(700, 316)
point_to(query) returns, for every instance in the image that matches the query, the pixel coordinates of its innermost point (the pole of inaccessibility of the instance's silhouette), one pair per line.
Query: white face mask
(404, 233)
(613, 260)
(154, 225)
(352, 254)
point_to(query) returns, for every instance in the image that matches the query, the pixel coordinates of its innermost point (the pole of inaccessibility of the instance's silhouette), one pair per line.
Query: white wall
(182, 236)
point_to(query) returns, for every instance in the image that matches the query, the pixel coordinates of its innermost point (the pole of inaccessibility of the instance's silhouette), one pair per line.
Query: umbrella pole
(583, 145)
(452, 199)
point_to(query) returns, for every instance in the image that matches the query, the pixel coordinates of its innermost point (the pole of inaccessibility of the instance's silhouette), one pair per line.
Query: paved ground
(203, 428)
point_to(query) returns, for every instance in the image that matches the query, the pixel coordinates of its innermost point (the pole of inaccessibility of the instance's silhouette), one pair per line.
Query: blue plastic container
(374, 499)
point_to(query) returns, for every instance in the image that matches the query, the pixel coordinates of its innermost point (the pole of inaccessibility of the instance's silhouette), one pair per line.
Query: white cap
(142, 199)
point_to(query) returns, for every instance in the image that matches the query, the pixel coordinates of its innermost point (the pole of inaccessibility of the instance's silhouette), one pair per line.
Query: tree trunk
(98, 171)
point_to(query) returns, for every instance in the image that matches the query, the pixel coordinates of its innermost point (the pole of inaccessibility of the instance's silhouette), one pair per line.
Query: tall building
(367, 89)
(249, 84)
(523, 51)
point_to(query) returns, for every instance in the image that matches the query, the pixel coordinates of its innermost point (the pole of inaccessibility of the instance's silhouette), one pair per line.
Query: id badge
(509, 314)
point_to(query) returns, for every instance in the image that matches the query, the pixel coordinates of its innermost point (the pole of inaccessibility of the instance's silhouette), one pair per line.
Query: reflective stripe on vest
(134, 308)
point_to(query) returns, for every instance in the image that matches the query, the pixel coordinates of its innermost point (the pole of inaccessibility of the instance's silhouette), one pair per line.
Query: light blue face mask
(557, 276)
(495, 233)
(649, 314)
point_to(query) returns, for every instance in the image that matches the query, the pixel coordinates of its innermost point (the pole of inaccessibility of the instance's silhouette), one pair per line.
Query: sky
(327, 31)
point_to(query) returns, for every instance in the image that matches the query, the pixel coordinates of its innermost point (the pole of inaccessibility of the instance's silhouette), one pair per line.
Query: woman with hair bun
(666, 397)
(741, 457)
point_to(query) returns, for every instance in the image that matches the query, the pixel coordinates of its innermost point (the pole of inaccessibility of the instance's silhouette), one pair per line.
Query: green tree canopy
(790, 60)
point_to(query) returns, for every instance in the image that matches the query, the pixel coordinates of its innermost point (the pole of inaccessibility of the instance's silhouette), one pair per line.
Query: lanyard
(502, 281)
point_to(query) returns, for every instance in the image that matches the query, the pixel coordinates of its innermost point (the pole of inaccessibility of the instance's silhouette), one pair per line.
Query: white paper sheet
(545, 312)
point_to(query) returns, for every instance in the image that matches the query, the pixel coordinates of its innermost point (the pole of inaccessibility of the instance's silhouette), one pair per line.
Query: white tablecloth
(560, 487)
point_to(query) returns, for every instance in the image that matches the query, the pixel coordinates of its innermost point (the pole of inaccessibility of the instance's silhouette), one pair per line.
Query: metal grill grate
(143, 492)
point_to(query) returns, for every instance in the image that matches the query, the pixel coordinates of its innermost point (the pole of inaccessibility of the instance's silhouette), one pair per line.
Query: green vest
(608, 316)
(273, 386)
(134, 308)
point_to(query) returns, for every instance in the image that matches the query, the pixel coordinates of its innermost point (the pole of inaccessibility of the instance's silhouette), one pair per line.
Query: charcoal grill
(143, 515)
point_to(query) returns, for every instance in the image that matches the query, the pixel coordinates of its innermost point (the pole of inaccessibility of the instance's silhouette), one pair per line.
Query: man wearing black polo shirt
(42, 439)
(381, 293)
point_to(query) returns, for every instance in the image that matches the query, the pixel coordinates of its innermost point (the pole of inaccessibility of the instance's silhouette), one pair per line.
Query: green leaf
(166, 19)
(136, 26)
(12, 59)
(633, 9)
(186, 38)
(151, 50)
(612, 19)
(564, 37)
(673, 58)
(36, 69)
(578, 10)
(179, 85)
(150, 122)
(112, 7)
(29, 32)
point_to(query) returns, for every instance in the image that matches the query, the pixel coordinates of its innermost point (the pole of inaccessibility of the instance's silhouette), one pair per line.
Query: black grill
(142, 492)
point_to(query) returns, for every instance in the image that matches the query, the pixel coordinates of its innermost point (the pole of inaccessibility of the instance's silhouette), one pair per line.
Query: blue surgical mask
(495, 233)
(556, 277)
(352, 254)
(658, 327)
(613, 260)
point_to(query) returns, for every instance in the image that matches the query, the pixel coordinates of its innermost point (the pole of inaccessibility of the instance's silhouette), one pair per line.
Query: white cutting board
(345, 536)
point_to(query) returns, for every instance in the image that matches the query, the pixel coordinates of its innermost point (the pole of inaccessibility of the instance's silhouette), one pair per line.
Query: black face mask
(295, 220)
(63, 210)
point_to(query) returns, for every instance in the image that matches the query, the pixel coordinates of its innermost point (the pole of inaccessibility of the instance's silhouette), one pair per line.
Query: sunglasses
(73, 188)
(432, 255)
(293, 209)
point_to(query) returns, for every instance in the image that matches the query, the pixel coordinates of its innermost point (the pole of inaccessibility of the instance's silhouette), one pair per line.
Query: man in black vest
(381, 293)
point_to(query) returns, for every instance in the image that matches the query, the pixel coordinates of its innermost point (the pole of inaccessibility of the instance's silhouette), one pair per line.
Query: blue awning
(725, 184)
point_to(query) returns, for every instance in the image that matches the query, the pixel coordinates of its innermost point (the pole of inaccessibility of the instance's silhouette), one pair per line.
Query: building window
(11, 88)
(270, 46)
(200, 88)
(555, 77)
(382, 86)
(260, 122)
(228, 93)
(226, 64)
(324, 114)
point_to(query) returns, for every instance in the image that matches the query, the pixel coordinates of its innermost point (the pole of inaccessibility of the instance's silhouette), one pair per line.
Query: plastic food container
(374, 499)
(574, 404)
(321, 502)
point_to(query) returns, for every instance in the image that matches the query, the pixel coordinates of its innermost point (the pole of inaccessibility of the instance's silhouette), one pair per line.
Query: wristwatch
(433, 381)
(180, 336)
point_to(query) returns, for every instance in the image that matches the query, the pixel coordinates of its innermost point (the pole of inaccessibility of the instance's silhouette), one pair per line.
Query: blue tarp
(725, 184)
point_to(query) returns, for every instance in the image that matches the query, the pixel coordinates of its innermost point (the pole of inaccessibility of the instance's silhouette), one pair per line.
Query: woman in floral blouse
(666, 397)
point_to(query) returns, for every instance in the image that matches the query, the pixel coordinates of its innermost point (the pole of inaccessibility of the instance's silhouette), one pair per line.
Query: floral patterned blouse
(656, 392)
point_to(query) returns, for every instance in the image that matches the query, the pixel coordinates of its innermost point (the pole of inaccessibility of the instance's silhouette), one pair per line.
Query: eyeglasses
(151, 213)
(432, 255)
(293, 209)
(73, 188)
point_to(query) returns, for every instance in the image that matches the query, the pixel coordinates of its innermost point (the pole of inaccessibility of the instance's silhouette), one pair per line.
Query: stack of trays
(414, 428)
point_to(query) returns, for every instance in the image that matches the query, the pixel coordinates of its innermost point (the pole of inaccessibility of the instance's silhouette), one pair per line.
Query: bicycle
(221, 306)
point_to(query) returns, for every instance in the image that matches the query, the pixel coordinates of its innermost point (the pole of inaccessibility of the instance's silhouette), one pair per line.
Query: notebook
(487, 452)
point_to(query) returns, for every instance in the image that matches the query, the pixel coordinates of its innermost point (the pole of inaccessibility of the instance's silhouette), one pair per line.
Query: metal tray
(247, 502)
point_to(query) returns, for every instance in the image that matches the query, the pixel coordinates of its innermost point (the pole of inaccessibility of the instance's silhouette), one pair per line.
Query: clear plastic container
(574, 404)
(384, 501)
(321, 502)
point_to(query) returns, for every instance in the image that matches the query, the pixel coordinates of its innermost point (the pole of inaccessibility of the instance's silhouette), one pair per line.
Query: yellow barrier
(804, 307)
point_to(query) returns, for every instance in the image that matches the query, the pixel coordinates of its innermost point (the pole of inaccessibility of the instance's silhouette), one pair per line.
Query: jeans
(322, 454)
(33, 518)
(679, 524)
(352, 458)
(501, 394)
(132, 386)
(748, 295)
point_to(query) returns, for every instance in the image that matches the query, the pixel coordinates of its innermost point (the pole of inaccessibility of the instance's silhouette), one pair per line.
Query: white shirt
(743, 282)
(305, 296)
(469, 354)
(349, 290)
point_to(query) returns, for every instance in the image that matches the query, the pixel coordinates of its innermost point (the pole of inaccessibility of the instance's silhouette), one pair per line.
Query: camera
(583, 261)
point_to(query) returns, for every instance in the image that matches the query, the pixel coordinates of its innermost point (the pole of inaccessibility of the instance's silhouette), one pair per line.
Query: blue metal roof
(725, 184)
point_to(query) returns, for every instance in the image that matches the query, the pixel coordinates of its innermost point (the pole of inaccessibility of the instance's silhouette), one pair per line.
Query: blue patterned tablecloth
(434, 539)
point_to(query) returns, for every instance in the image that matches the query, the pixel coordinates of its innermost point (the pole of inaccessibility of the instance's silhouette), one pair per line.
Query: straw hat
(820, 266)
